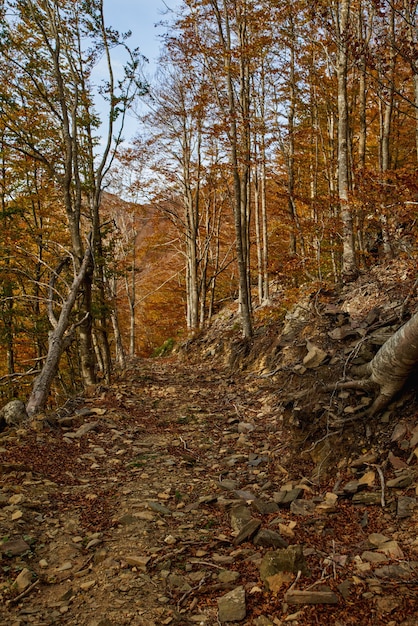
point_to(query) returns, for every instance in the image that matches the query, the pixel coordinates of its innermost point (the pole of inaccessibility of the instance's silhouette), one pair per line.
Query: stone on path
(14, 547)
(269, 539)
(290, 559)
(24, 580)
(311, 597)
(247, 531)
(232, 607)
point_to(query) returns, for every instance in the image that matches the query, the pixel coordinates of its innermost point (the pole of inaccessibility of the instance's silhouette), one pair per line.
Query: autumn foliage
(234, 182)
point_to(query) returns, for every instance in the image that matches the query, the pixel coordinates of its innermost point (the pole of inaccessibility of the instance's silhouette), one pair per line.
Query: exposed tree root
(388, 371)
(365, 384)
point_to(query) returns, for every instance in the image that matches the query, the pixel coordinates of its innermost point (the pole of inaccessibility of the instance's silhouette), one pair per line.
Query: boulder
(13, 413)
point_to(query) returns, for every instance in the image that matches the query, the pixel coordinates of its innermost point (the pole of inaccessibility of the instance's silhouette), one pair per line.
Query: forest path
(127, 511)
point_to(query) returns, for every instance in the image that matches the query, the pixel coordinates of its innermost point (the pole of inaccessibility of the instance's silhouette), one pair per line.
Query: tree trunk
(349, 266)
(59, 340)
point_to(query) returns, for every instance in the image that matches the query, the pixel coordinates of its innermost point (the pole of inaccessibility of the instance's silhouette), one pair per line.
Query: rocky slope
(221, 485)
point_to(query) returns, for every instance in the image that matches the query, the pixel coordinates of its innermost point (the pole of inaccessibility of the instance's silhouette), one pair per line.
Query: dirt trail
(120, 513)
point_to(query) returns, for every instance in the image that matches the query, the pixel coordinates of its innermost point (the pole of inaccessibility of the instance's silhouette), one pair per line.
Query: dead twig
(189, 592)
(24, 593)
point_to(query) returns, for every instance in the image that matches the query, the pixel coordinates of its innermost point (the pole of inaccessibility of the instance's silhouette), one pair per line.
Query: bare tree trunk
(238, 135)
(59, 339)
(349, 266)
(120, 355)
(385, 150)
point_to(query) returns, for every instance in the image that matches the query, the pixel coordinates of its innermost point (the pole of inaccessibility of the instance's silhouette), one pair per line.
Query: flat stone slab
(247, 531)
(232, 606)
(311, 597)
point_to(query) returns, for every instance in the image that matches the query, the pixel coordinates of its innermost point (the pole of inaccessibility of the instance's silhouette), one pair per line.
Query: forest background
(278, 151)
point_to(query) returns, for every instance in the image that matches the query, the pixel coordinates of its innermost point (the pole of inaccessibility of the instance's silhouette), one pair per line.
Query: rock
(247, 531)
(269, 539)
(228, 576)
(406, 506)
(287, 531)
(258, 460)
(14, 547)
(265, 507)
(377, 539)
(240, 516)
(367, 498)
(388, 604)
(370, 457)
(402, 481)
(342, 332)
(175, 581)
(83, 430)
(13, 413)
(391, 549)
(245, 427)
(64, 567)
(228, 485)
(302, 507)
(328, 505)
(87, 584)
(311, 597)
(24, 580)
(290, 559)
(232, 606)
(373, 557)
(368, 479)
(139, 562)
(315, 356)
(351, 487)
(244, 495)
(345, 588)
(286, 497)
(93, 543)
(396, 462)
(398, 432)
(401, 571)
(159, 508)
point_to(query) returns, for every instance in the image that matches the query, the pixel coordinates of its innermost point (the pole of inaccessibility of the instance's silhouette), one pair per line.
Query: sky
(144, 19)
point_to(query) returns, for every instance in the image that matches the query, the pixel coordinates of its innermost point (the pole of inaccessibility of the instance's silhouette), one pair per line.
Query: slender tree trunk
(238, 135)
(349, 266)
(131, 292)
(290, 155)
(385, 143)
(59, 340)
(258, 242)
(119, 349)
